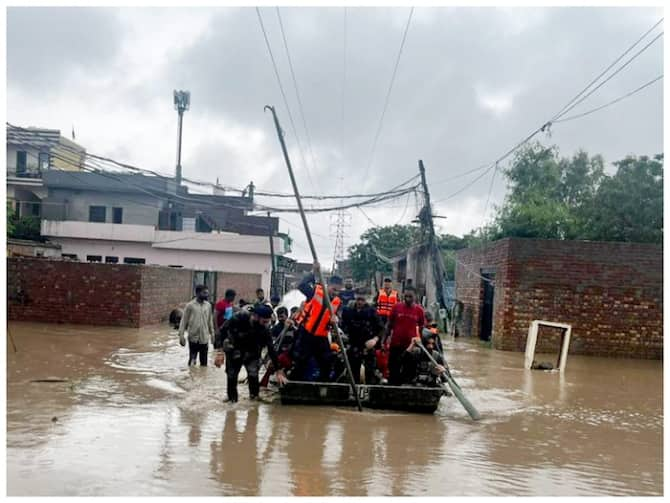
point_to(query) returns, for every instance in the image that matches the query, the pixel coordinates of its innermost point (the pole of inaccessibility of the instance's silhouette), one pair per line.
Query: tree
(10, 219)
(376, 246)
(629, 205)
(573, 198)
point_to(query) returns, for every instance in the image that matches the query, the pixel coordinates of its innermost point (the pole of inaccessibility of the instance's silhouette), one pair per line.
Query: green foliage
(573, 198)
(376, 243)
(27, 227)
(10, 219)
(629, 205)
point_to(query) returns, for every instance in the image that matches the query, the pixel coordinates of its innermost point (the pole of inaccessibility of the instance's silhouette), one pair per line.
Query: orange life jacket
(317, 316)
(385, 302)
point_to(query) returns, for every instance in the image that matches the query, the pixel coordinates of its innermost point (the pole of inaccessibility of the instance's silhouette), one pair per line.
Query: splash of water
(291, 299)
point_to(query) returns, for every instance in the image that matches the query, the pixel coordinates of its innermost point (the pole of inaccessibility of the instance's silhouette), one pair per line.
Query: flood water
(132, 419)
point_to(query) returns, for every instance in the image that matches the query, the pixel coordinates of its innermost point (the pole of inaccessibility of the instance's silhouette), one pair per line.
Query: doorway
(488, 287)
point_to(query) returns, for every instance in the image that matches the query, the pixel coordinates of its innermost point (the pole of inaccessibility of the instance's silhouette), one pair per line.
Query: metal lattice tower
(342, 220)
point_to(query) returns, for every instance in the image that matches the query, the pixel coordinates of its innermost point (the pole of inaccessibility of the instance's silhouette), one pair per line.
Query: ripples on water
(133, 419)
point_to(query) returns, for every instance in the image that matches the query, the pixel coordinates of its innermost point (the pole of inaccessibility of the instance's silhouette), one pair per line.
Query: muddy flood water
(130, 418)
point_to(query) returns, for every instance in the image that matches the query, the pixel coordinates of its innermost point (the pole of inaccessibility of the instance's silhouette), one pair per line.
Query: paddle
(455, 388)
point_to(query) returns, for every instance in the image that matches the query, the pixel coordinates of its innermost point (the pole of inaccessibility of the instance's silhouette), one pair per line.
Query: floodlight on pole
(182, 102)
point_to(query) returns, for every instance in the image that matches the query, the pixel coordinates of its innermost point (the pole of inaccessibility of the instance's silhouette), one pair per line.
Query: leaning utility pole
(428, 229)
(182, 102)
(319, 275)
(273, 280)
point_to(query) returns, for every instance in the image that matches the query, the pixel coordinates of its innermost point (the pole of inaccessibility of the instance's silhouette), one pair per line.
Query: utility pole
(182, 102)
(273, 286)
(428, 228)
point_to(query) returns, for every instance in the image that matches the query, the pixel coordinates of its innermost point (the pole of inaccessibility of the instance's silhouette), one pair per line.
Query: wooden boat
(406, 398)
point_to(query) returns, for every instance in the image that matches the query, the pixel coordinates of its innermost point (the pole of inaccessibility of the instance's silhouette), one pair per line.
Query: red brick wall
(163, 289)
(55, 291)
(611, 294)
(469, 286)
(244, 284)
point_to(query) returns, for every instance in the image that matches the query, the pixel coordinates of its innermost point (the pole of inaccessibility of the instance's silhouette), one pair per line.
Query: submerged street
(126, 416)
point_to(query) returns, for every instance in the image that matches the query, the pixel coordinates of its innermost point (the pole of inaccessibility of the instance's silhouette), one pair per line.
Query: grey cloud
(44, 45)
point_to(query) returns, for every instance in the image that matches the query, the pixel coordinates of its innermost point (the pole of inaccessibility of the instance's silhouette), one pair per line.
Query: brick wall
(56, 291)
(163, 289)
(611, 294)
(244, 284)
(469, 287)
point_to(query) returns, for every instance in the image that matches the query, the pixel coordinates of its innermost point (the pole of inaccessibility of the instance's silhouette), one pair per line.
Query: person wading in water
(198, 322)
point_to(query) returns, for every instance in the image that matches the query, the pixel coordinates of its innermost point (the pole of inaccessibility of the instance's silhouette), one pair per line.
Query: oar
(455, 388)
(319, 276)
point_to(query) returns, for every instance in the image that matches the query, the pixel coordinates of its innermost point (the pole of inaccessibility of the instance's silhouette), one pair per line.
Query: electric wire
(288, 108)
(297, 91)
(617, 100)
(388, 95)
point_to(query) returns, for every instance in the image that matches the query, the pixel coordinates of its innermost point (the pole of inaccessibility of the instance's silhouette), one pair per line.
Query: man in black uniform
(364, 330)
(242, 339)
(417, 368)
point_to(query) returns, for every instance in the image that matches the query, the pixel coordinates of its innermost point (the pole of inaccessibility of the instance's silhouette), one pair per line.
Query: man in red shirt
(405, 322)
(224, 309)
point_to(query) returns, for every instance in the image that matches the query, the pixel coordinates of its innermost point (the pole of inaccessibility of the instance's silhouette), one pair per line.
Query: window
(21, 162)
(43, 161)
(70, 256)
(93, 258)
(117, 215)
(111, 260)
(97, 213)
(35, 209)
(133, 260)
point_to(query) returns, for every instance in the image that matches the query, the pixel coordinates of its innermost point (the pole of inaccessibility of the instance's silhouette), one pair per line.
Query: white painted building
(143, 244)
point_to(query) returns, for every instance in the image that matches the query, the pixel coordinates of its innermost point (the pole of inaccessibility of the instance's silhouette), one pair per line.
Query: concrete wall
(67, 204)
(611, 294)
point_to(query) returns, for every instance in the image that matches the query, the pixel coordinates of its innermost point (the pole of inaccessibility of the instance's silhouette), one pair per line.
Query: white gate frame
(532, 340)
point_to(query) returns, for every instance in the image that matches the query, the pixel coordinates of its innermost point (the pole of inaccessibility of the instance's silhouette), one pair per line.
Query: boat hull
(406, 398)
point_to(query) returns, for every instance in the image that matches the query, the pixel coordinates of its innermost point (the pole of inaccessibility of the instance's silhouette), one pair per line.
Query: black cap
(388, 280)
(274, 298)
(263, 311)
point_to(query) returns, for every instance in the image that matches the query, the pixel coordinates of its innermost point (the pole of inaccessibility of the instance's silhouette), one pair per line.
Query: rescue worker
(243, 339)
(386, 299)
(430, 328)
(198, 322)
(417, 367)
(405, 322)
(312, 338)
(348, 294)
(282, 333)
(364, 329)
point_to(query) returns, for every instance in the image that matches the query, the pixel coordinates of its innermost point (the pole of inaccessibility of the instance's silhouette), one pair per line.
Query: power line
(630, 60)
(488, 196)
(281, 88)
(388, 94)
(569, 106)
(620, 98)
(297, 92)
(563, 110)
(344, 76)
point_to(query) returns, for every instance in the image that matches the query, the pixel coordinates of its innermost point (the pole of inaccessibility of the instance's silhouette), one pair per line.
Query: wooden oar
(455, 388)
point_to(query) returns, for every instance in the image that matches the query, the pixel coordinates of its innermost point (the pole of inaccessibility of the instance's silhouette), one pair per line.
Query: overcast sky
(471, 83)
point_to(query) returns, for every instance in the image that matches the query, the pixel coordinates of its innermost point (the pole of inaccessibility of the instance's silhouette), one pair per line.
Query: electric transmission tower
(342, 220)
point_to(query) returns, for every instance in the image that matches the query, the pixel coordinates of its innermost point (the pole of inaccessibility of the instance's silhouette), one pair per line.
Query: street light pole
(182, 102)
